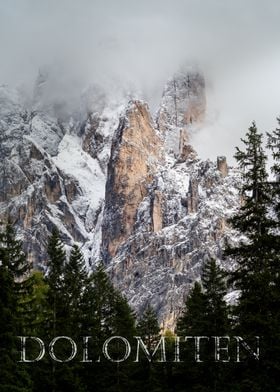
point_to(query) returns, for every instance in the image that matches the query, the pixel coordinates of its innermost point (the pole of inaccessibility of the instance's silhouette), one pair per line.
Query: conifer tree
(216, 312)
(255, 257)
(193, 317)
(99, 299)
(13, 278)
(14, 258)
(74, 284)
(205, 314)
(106, 314)
(54, 279)
(55, 322)
(274, 145)
(206, 311)
(148, 327)
(192, 322)
(150, 376)
(64, 285)
(274, 353)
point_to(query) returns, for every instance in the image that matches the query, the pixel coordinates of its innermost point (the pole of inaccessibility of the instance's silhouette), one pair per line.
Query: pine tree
(255, 190)
(55, 321)
(15, 260)
(193, 318)
(255, 258)
(150, 376)
(205, 314)
(274, 353)
(13, 270)
(192, 322)
(54, 279)
(274, 145)
(253, 255)
(148, 327)
(99, 300)
(74, 283)
(206, 311)
(216, 312)
(106, 313)
(12, 254)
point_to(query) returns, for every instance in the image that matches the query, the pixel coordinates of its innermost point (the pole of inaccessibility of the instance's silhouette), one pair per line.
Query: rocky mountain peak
(182, 111)
(135, 154)
(129, 190)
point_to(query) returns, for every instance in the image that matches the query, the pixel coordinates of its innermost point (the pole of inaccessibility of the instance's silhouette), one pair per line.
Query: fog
(142, 43)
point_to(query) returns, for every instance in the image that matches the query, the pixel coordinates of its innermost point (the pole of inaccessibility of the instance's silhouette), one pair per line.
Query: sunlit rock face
(127, 187)
(135, 156)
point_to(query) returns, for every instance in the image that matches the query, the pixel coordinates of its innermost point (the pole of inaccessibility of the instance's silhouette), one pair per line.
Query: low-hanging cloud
(236, 44)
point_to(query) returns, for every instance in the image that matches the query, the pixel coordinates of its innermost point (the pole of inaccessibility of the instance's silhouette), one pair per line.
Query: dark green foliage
(13, 277)
(274, 146)
(213, 281)
(106, 314)
(150, 376)
(75, 280)
(12, 255)
(205, 314)
(257, 260)
(192, 320)
(148, 327)
(252, 218)
(65, 284)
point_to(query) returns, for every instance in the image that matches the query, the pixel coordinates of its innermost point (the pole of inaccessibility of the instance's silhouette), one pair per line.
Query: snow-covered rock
(125, 187)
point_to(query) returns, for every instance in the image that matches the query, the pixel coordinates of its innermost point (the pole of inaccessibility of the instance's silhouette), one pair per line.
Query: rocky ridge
(129, 189)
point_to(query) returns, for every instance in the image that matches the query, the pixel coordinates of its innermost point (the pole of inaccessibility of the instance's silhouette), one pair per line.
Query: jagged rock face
(45, 173)
(222, 166)
(135, 155)
(160, 266)
(182, 109)
(157, 210)
(126, 189)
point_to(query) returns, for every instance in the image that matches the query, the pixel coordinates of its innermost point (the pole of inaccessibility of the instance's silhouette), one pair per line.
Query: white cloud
(236, 43)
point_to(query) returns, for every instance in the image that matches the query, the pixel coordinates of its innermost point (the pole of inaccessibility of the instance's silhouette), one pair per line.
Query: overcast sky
(235, 43)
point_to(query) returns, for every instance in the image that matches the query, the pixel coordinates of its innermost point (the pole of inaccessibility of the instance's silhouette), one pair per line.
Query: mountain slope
(129, 189)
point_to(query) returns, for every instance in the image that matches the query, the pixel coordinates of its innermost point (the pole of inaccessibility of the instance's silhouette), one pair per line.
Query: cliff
(127, 187)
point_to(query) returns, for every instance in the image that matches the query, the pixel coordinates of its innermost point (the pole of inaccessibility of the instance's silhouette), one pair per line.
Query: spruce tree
(74, 284)
(54, 279)
(273, 144)
(255, 258)
(13, 277)
(106, 314)
(253, 254)
(205, 314)
(192, 322)
(14, 258)
(150, 376)
(55, 322)
(193, 318)
(148, 327)
(216, 312)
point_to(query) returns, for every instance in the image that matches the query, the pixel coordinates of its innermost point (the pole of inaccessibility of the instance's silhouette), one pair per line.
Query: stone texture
(222, 165)
(192, 196)
(182, 111)
(136, 151)
(157, 214)
(126, 189)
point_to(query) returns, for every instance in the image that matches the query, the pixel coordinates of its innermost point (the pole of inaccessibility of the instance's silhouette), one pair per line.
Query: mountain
(127, 186)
